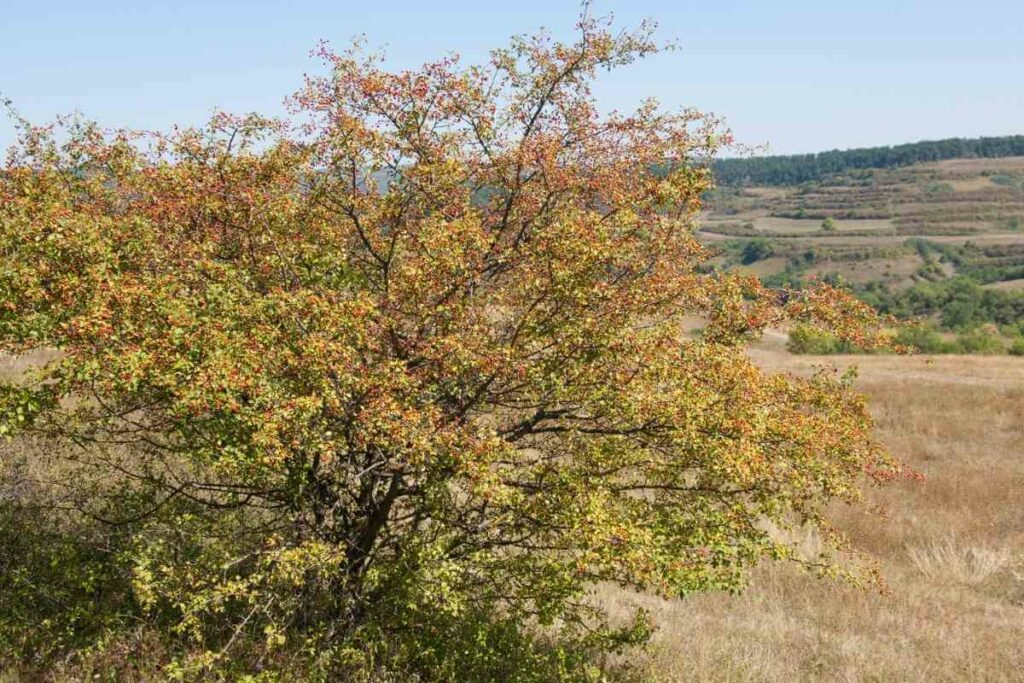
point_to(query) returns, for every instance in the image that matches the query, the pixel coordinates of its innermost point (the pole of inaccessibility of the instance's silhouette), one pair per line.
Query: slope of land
(963, 199)
(941, 240)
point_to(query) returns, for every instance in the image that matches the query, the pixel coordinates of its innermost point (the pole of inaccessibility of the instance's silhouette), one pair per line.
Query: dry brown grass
(896, 271)
(951, 549)
(970, 184)
(976, 165)
(763, 268)
(1007, 285)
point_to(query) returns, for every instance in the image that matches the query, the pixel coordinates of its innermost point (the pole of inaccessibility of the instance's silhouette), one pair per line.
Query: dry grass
(770, 224)
(952, 551)
(1007, 285)
(970, 184)
(13, 367)
(895, 271)
(976, 165)
(765, 267)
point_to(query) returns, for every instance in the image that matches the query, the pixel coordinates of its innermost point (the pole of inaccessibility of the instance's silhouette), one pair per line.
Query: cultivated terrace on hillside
(938, 242)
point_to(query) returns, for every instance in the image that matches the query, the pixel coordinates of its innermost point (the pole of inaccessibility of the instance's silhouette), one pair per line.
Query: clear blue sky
(801, 76)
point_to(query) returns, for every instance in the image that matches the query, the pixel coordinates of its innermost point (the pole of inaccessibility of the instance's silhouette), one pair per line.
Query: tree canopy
(391, 385)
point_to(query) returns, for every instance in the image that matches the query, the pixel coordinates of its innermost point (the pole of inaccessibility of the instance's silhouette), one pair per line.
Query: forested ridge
(799, 168)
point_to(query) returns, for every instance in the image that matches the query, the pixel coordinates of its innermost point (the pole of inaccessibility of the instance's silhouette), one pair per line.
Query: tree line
(799, 168)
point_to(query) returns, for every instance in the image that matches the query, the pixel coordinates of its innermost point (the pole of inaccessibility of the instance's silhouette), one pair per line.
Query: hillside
(798, 168)
(942, 240)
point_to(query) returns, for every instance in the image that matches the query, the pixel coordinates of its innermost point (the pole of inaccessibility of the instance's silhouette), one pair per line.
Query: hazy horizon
(797, 76)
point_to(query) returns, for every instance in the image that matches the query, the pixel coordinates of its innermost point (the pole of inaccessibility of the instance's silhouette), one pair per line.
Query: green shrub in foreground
(309, 426)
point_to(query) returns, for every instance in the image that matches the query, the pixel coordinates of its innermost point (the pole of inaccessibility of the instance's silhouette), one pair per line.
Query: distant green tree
(756, 250)
(962, 314)
(829, 224)
(809, 340)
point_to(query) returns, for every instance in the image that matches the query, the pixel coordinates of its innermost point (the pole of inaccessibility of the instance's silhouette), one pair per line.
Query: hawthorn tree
(411, 367)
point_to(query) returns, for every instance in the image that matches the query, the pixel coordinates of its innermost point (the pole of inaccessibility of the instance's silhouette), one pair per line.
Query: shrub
(925, 339)
(808, 340)
(755, 250)
(386, 394)
(982, 342)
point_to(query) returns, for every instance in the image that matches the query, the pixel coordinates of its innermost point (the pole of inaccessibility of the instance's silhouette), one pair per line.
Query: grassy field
(951, 550)
(1008, 284)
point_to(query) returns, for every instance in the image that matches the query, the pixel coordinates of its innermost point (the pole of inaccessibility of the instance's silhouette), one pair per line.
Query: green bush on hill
(808, 340)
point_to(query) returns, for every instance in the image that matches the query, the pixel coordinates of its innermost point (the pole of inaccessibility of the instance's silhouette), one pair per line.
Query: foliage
(983, 340)
(961, 303)
(755, 250)
(926, 339)
(58, 590)
(983, 265)
(917, 338)
(1007, 179)
(805, 339)
(829, 224)
(386, 390)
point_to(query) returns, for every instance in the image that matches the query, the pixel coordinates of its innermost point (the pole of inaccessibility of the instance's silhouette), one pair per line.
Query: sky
(795, 76)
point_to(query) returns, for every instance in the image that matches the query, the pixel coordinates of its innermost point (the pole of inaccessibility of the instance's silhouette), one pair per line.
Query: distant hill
(941, 241)
(800, 168)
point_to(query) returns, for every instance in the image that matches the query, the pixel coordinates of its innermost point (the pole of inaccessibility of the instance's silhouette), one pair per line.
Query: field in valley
(940, 242)
(951, 550)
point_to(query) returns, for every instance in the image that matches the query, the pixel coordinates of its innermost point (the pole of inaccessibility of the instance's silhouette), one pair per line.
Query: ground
(951, 550)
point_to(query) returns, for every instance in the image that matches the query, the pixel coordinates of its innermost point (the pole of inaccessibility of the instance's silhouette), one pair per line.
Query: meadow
(951, 550)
